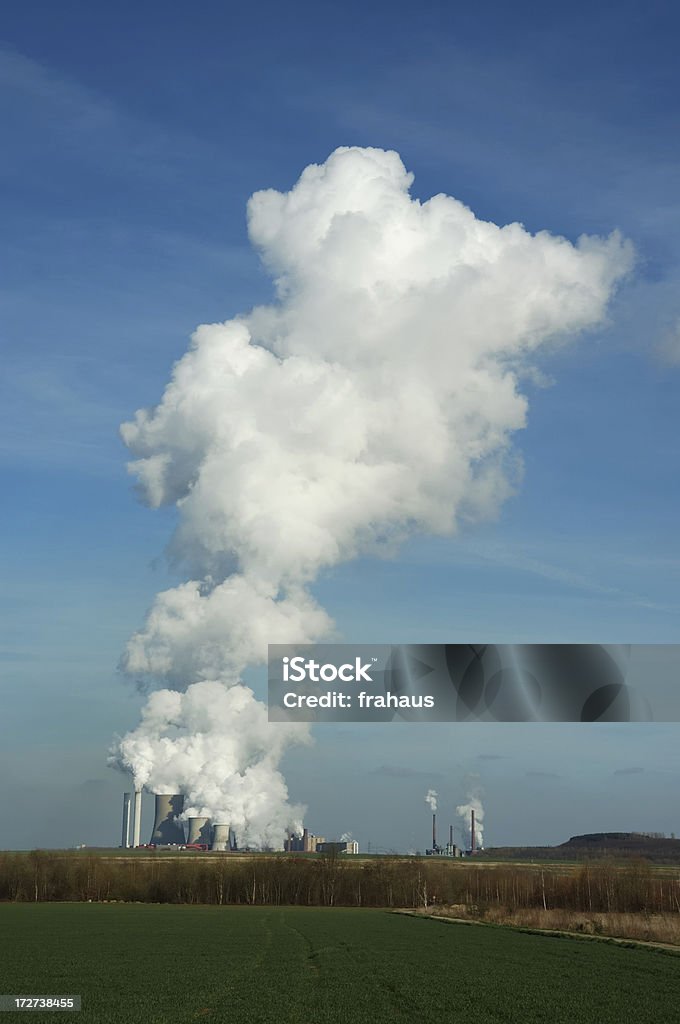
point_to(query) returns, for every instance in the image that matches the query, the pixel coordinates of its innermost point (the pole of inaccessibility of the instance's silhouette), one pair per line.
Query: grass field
(145, 963)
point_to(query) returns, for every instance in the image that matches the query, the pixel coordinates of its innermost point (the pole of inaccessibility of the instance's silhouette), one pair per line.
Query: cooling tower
(125, 841)
(167, 829)
(220, 837)
(199, 830)
(138, 818)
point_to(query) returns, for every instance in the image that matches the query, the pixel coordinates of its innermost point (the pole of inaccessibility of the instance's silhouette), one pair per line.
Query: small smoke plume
(375, 397)
(346, 837)
(464, 811)
(431, 799)
(669, 346)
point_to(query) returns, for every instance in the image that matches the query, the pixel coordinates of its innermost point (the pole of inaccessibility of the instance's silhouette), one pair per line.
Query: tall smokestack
(167, 829)
(125, 840)
(138, 817)
(450, 835)
(472, 831)
(434, 831)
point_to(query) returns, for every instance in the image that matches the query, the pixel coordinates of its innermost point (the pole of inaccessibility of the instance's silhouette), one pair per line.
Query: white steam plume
(464, 811)
(374, 398)
(214, 744)
(431, 799)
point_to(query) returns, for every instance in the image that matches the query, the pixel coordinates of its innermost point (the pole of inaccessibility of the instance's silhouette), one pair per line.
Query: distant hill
(652, 846)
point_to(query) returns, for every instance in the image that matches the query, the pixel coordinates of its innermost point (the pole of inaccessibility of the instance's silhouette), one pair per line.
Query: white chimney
(138, 818)
(125, 841)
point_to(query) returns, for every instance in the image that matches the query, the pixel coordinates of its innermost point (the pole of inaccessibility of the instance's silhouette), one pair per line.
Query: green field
(146, 963)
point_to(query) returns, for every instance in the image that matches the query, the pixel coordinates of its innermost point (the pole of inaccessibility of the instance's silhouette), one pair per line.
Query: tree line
(332, 880)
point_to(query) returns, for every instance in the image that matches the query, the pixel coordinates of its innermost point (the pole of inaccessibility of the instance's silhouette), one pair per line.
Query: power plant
(168, 829)
(203, 834)
(450, 850)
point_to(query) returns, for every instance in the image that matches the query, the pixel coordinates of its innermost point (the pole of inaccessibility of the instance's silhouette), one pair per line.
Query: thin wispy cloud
(391, 771)
(668, 348)
(516, 558)
(79, 123)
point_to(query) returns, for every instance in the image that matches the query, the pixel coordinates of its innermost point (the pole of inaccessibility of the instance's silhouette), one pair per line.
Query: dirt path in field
(621, 941)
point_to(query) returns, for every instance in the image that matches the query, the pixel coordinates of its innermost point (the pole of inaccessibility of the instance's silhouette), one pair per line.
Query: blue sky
(132, 139)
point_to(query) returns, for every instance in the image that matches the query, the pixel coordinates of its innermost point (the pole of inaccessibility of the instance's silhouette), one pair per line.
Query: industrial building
(338, 846)
(306, 843)
(309, 843)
